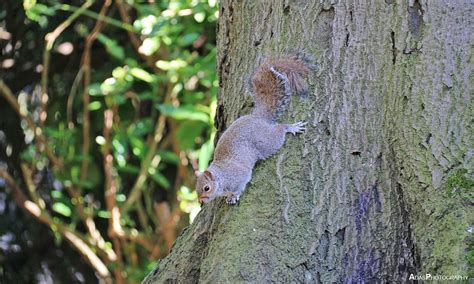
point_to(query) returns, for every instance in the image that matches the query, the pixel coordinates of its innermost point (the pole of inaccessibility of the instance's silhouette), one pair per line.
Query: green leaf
(146, 24)
(141, 127)
(205, 154)
(149, 46)
(169, 157)
(56, 194)
(120, 197)
(188, 39)
(129, 169)
(80, 158)
(95, 105)
(104, 214)
(212, 3)
(94, 176)
(138, 146)
(38, 12)
(75, 173)
(119, 73)
(144, 96)
(119, 145)
(187, 133)
(94, 90)
(28, 4)
(142, 74)
(199, 17)
(85, 184)
(186, 112)
(160, 179)
(62, 209)
(28, 154)
(108, 86)
(112, 47)
(171, 65)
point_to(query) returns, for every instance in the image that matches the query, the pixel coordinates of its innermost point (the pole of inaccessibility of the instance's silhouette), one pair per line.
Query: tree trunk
(380, 186)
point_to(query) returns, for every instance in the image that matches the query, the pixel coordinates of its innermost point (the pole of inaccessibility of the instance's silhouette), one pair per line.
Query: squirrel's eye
(206, 188)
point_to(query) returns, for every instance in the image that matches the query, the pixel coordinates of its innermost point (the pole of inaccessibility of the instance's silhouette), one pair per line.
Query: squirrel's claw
(297, 127)
(232, 200)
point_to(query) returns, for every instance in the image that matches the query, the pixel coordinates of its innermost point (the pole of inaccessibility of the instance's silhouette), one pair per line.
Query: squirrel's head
(206, 186)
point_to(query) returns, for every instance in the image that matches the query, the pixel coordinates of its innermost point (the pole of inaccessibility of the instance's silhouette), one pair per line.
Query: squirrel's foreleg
(232, 199)
(297, 127)
(233, 196)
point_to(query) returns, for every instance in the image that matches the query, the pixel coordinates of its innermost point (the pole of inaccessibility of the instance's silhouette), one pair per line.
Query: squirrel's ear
(209, 175)
(198, 173)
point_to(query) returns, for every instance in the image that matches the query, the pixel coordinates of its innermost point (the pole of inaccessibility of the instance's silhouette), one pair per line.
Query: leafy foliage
(147, 100)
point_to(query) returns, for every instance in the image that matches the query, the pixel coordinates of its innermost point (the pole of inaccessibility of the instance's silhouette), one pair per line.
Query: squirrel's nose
(202, 200)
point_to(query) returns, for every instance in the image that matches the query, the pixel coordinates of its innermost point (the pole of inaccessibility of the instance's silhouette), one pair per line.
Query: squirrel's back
(273, 83)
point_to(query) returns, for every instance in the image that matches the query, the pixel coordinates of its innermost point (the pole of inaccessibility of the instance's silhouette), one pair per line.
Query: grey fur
(249, 139)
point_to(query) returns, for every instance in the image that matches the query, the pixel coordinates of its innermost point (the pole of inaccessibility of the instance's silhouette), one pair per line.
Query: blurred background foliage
(106, 109)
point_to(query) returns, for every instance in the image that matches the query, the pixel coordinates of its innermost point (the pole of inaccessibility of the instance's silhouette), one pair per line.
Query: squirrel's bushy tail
(274, 82)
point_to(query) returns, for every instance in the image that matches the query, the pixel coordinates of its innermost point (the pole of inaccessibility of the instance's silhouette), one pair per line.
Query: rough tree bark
(380, 186)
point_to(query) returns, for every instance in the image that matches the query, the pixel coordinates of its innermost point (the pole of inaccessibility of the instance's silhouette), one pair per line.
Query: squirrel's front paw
(297, 127)
(232, 200)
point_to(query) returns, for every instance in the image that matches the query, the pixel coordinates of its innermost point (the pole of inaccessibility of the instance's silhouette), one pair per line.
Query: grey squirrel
(255, 136)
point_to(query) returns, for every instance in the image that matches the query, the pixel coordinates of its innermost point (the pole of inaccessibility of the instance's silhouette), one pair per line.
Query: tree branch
(37, 131)
(50, 38)
(136, 190)
(86, 67)
(42, 216)
(136, 42)
(114, 229)
(95, 234)
(108, 20)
